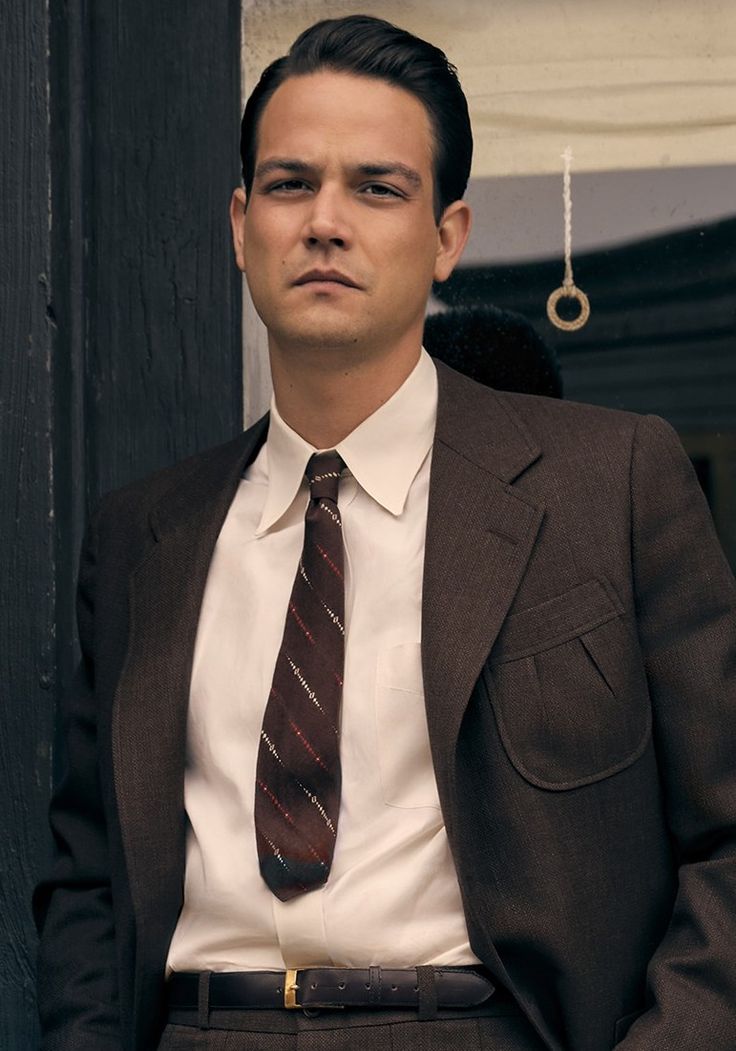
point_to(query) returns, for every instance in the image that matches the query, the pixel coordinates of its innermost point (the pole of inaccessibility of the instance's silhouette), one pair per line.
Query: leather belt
(333, 987)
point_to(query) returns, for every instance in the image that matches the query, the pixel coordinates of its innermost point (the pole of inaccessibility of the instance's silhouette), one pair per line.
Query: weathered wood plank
(120, 330)
(163, 365)
(26, 509)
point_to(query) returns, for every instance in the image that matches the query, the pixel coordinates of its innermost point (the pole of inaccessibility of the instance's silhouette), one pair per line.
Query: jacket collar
(482, 427)
(472, 421)
(208, 489)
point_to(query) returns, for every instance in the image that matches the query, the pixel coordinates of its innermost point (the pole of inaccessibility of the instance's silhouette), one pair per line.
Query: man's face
(339, 242)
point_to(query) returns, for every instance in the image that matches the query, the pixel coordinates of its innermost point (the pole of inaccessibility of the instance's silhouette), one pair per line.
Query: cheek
(416, 241)
(267, 241)
(412, 262)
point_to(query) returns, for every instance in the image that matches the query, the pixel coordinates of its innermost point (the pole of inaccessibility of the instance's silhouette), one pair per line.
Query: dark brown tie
(297, 796)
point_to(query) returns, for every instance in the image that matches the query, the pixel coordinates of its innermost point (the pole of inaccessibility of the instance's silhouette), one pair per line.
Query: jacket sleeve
(686, 613)
(77, 980)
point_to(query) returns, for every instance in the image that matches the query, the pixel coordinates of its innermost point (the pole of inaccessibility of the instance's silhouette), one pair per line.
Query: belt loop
(427, 988)
(374, 981)
(203, 999)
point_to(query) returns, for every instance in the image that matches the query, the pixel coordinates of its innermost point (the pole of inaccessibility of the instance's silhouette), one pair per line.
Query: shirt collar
(383, 453)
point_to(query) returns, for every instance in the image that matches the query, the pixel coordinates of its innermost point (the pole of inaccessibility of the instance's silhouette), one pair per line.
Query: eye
(378, 189)
(288, 186)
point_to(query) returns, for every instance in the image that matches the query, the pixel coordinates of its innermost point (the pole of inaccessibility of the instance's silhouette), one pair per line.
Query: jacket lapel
(480, 534)
(151, 700)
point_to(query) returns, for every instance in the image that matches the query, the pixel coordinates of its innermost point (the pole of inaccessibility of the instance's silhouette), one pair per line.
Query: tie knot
(323, 475)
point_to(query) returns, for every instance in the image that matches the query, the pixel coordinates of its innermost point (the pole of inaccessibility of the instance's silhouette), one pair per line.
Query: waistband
(316, 988)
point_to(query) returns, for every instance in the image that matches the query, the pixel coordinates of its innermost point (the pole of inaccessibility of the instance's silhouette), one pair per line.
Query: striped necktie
(297, 796)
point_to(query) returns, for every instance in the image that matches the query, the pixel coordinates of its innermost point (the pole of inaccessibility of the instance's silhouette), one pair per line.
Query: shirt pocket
(404, 754)
(568, 689)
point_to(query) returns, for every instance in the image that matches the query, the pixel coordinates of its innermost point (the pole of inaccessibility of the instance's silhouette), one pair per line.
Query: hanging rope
(568, 289)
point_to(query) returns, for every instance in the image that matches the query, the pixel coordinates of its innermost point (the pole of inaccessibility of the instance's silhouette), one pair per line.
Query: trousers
(354, 1030)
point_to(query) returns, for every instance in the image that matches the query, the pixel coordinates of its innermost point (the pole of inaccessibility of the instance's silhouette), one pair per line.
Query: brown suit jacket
(579, 671)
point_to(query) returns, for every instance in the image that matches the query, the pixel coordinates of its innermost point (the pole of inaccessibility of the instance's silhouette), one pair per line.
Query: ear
(237, 222)
(452, 233)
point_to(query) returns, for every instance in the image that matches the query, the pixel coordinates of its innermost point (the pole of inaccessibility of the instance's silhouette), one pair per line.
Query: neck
(324, 403)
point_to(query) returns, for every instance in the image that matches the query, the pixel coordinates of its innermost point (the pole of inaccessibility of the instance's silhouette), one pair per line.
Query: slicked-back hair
(371, 47)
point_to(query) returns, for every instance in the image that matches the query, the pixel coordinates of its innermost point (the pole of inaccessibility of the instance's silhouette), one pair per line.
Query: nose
(327, 222)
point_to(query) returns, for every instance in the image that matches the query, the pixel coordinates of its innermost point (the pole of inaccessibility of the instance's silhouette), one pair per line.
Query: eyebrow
(373, 170)
(392, 168)
(274, 164)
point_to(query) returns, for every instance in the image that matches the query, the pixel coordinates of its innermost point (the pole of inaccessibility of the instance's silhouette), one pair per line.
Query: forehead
(318, 113)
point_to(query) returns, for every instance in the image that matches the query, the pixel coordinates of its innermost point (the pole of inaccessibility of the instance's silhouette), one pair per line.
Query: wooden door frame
(120, 320)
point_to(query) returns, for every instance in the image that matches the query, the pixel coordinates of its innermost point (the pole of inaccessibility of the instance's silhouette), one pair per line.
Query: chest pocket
(568, 689)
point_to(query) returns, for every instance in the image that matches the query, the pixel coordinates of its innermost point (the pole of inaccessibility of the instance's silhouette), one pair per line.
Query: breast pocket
(404, 755)
(568, 689)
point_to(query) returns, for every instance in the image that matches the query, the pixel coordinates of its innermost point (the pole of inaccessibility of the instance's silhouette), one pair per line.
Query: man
(441, 736)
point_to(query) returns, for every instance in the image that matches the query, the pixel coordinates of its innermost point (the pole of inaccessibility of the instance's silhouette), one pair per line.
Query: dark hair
(496, 347)
(372, 47)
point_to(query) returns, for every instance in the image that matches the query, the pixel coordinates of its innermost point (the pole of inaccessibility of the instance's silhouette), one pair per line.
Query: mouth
(326, 277)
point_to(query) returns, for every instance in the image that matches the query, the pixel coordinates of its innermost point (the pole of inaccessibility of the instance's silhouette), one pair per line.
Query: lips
(333, 276)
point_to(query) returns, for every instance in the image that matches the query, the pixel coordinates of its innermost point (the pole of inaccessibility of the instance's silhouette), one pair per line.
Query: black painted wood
(120, 335)
(163, 361)
(27, 557)
(71, 232)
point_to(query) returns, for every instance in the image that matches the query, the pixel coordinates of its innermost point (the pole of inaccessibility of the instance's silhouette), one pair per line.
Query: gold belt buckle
(290, 988)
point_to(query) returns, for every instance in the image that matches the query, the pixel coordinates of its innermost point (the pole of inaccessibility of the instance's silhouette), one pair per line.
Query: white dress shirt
(392, 897)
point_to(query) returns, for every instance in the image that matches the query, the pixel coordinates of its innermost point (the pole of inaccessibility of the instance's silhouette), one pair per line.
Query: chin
(323, 337)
